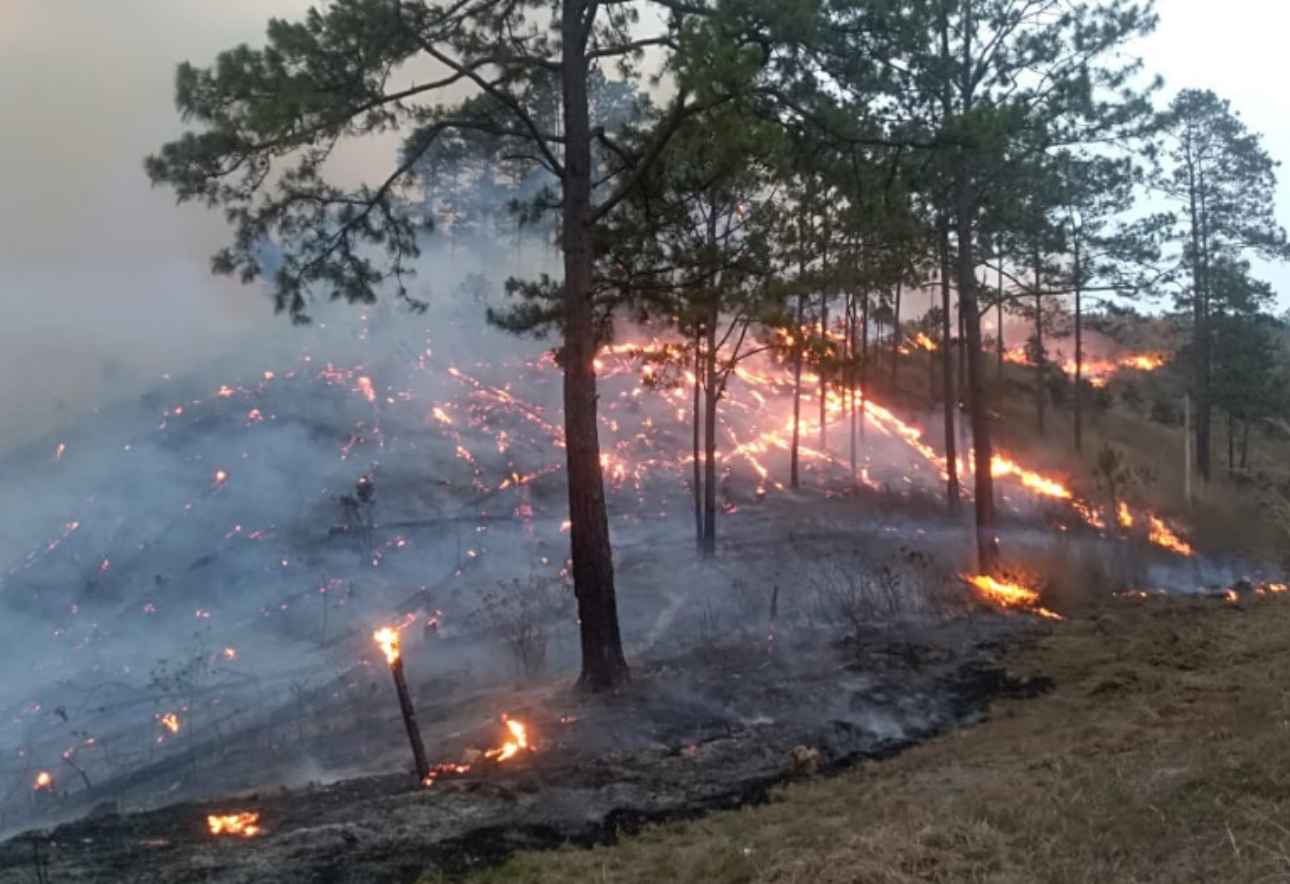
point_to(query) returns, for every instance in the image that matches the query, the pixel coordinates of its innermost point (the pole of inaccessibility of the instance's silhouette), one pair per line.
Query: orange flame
(1142, 361)
(1161, 535)
(1124, 515)
(1002, 466)
(1009, 595)
(926, 343)
(44, 781)
(519, 741)
(509, 749)
(170, 721)
(246, 824)
(388, 638)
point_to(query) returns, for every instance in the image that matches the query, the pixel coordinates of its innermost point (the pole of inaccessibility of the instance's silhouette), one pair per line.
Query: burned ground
(193, 620)
(715, 729)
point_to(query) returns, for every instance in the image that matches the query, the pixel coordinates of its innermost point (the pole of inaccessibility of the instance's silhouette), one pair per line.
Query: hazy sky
(95, 266)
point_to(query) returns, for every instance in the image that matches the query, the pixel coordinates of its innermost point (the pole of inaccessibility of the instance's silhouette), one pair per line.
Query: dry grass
(1163, 755)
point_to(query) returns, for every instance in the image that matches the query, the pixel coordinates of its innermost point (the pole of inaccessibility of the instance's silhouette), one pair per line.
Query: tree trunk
(1079, 353)
(1200, 331)
(851, 378)
(698, 468)
(931, 355)
(895, 339)
(986, 544)
(1041, 356)
(998, 360)
(864, 355)
(1231, 444)
(1245, 444)
(603, 663)
(1205, 410)
(961, 389)
(794, 479)
(824, 370)
(711, 393)
(947, 376)
(962, 353)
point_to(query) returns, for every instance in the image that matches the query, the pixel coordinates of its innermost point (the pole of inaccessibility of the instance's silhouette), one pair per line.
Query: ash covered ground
(194, 574)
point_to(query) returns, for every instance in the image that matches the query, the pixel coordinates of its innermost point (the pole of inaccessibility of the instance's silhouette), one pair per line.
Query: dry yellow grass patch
(1163, 755)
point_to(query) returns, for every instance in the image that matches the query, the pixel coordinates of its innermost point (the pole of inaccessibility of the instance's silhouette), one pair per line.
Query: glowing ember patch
(230, 653)
(1160, 534)
(44, 781)
(388, 638)
(221, 476)
(58, 452)
(170, 721)
(224, 392)
(365, 388)
(446, 768)
(245, 824)
(1124, 515)
(1231, 597)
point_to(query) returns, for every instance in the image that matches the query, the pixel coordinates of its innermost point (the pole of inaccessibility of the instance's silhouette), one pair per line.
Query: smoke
(185, 543)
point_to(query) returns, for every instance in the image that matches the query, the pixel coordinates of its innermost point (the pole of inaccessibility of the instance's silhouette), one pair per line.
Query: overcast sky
(97, 267)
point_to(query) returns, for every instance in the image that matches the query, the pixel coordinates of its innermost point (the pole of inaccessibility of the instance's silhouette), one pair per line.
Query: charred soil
(719, 728)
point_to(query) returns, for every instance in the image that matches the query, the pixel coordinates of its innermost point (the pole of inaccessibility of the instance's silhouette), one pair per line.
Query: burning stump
(388, 639)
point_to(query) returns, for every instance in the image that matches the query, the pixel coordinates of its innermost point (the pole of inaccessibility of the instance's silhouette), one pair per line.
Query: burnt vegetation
(780, 370)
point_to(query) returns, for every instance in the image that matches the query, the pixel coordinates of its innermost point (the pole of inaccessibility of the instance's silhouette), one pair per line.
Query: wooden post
(410, 720)
(388, 639)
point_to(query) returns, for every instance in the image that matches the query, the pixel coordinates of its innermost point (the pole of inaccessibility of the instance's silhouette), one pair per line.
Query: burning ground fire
(515, 742)
(499, 425)
(505, 441)
(1008, 595)
(1096, 371)
(245, 824)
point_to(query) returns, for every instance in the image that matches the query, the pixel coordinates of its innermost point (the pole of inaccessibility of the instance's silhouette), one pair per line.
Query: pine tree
(266, 120)
(1226, 182)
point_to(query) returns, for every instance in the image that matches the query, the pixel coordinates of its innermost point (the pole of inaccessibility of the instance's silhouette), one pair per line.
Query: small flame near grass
(510, 748)
(44, 782)
(245, 824)
(1162, 535)
(1008, 595)
(517, 741)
